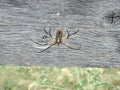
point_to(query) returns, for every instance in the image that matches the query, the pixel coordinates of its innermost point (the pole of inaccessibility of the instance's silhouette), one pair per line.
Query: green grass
(56, 78)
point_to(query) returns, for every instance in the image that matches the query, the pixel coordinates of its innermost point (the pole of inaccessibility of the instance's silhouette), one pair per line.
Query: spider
(57, 39)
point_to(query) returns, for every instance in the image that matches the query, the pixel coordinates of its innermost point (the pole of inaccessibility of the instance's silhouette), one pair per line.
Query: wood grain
(99, 39)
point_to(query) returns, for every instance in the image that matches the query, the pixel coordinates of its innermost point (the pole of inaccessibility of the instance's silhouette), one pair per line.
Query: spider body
(57, 40)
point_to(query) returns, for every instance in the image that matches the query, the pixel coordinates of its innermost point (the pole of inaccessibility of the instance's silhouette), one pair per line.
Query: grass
(56, 78)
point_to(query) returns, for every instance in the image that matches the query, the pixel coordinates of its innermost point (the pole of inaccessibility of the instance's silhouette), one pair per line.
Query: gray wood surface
(98, 22)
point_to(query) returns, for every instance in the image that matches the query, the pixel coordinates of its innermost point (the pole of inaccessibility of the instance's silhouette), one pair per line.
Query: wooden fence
(98, 22)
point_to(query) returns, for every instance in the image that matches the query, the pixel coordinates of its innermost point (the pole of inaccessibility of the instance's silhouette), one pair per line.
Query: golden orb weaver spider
(57, 39)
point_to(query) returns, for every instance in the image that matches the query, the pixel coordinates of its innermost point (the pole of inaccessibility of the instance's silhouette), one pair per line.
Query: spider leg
(51, 43)
(71, 34)
(45, 31)
(48, 33)
(71, 47)
(47, 48)
(36, 42)
(64, 38)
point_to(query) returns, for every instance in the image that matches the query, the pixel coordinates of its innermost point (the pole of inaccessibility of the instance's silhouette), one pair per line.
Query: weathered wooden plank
(99, 33)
